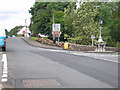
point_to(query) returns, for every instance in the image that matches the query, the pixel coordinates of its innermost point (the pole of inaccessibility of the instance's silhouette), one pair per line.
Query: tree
(69, 19)
(82, 23)
(106, 11)
(6, 31)
(42, 17)
(15, 30)
(77, 24)
(115, 27)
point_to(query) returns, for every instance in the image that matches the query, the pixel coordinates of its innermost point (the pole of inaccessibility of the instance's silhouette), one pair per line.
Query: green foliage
(82, 23)
(42, 17)
(6, 31)
(79, 24)
(115, 27)
(118, 44)
(19, 35)
(110, 30)
(34, 38)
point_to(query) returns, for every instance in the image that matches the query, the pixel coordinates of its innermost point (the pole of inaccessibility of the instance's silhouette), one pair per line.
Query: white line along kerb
(4, 58)
(5, 67)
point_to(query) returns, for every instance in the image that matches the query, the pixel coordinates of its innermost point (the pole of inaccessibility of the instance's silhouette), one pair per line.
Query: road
(30, 67)
(0, 70)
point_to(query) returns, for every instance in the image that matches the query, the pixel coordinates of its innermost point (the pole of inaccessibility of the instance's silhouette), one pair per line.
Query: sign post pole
(92, 37)
(56, 31)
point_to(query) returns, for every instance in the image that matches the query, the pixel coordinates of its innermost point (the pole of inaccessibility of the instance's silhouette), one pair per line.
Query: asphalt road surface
(34, 67)
(0, 70)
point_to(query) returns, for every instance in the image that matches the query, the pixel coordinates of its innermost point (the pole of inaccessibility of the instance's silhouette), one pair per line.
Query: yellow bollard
(66, 45)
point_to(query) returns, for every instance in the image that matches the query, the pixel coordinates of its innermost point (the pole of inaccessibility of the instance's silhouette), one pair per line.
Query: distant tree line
(14, 30)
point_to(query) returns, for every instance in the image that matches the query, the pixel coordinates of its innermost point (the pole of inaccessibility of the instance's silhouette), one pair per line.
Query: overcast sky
(14, 12)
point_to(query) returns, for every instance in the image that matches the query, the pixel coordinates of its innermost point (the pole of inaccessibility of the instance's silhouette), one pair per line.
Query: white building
(24, 31)
(41, 35)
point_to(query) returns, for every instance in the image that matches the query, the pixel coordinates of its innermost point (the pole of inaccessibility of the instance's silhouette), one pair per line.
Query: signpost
(92, 37)
(56, 30)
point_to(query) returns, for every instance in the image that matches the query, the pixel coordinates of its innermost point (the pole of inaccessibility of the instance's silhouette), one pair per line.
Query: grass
(34, 38)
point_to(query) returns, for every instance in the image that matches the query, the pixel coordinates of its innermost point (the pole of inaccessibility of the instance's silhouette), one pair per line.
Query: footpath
(37, 44)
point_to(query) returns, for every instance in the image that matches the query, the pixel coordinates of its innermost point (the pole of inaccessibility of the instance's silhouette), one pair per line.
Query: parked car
(3, 39)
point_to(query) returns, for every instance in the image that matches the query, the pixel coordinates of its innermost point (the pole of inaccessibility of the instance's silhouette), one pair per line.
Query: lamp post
(100, 37)
(101, 44)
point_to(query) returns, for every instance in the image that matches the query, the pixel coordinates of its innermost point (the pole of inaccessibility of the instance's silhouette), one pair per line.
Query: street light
(100, 37)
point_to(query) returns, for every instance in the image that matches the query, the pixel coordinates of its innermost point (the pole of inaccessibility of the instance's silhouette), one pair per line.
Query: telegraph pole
(53, 26)
(26, 26)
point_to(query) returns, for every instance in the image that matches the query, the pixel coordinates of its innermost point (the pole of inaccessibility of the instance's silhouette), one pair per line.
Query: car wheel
(4, 48)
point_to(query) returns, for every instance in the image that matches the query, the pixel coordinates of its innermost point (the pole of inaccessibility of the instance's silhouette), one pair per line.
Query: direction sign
(56, 27)
(56, 33)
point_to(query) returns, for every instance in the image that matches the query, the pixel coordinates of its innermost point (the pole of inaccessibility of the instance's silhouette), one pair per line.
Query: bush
(118, 44)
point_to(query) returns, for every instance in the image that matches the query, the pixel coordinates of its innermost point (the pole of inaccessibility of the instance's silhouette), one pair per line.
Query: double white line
(4, 68)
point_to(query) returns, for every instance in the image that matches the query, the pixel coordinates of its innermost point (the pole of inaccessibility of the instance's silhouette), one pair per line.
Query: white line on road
(106, 60)
(53, 50)
(5, 68)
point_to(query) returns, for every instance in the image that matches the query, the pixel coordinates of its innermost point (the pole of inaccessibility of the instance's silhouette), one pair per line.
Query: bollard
(66, 46)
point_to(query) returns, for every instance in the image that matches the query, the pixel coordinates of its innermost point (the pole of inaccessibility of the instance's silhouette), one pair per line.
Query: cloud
(14, 12)
(15, 5)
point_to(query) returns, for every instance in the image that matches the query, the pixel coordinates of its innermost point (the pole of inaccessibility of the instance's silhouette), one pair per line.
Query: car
(3, 38)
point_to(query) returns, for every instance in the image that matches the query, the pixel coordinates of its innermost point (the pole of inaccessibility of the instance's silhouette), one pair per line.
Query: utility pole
(26, 25)
(53, 27)
(53, 16)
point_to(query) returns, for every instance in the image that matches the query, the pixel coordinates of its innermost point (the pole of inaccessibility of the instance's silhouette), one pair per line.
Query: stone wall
(77, 47)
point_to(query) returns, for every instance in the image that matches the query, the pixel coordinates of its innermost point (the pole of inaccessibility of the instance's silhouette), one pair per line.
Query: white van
(3, 39)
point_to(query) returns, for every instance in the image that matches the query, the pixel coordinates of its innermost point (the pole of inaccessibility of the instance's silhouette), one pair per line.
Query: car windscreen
(2, 33)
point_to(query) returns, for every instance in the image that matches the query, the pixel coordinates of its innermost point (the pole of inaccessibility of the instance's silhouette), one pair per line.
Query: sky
(14, 12)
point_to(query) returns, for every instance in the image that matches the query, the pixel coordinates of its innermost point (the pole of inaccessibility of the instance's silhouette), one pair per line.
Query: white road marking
(4, 58)
(4, 75)
(5, 68)
(53, 50)
(106, 60)
(4, 79)
(5, 71)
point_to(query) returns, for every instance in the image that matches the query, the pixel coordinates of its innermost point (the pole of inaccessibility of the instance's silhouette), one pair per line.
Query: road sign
(56, 30)
(56, 33)
(56, 27)
(92, 37)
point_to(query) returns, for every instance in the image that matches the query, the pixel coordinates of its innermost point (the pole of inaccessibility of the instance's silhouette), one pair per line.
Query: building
(24, 31)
